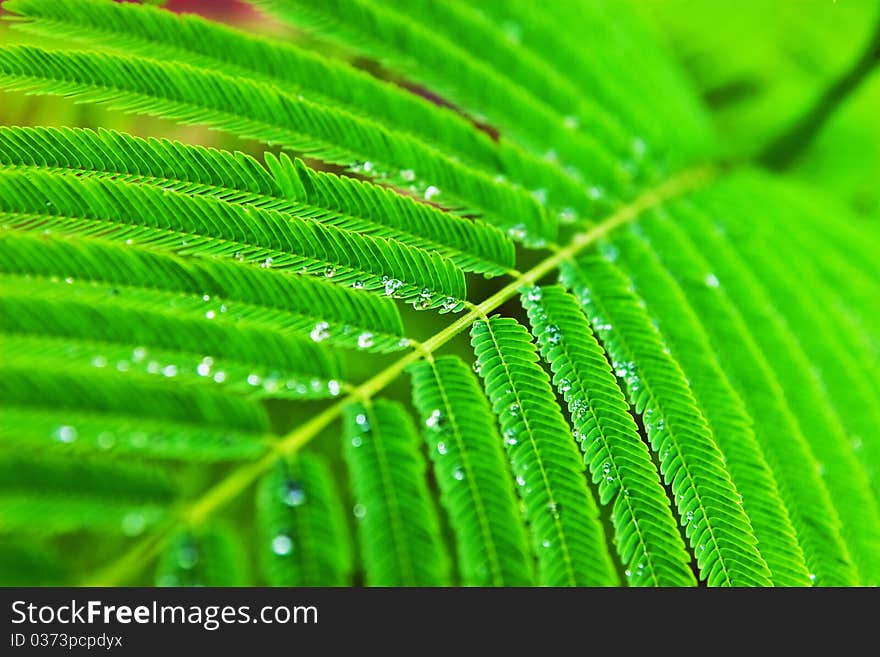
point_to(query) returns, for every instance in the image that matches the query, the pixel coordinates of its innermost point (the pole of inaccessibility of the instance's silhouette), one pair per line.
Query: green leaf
(49, 407)
(288, 187)
(645, 535)
(568, 537)
(255, 110)
(708, 503)
(303, 536)
(49, 495)
(211, 556)
(93, 273)
(733, 324)
(137, 215)
(473, 474)
(398, 528)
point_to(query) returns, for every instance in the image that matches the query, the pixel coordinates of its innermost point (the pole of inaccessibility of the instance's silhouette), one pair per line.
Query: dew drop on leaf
(282, 545)
(294, 495)
(66, 433)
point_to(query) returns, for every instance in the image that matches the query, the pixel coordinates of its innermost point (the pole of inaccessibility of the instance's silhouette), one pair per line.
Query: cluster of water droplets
(639, 571)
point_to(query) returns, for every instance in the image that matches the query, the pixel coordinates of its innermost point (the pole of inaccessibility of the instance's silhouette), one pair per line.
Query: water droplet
(540, 195)
(334, 387)
(514, 409)
(689, 516)
(294, 495)
(187, 557)
(517, 232)
(358, 285)
(403, 342)
(357, 441)
(392, 285)
(105, 440)
(204, 368)
(65, 433)
(567, 216)
(206, 297)
(434, 419)
(458, 474)
(627, 572)
(571, 122)
(638, 146)
(477, 367)
(133, 523)
(99, 361)
(320, 332)
(361, 420)
(153, 367)
(123, 366)
(210, 314)
(138, 354)
(431, 191)
(220, 376)
(359, 511)
(330, 272)
(564, 385)
(169, 371)
(441, 448)
(69, 280)
(534, 293)
(812, 577)
(408, 175)
(282, 545)
(367, 167)
(266, 264)
(520, 480)
(424, 300)
(711, 280)
(253, 379)
(546, 543)
(365, 340)
(510, 437)
(449, 304)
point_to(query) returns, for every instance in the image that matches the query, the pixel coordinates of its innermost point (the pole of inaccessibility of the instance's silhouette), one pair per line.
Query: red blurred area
(227, 10)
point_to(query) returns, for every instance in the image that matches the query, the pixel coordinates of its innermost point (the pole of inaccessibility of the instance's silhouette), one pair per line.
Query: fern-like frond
(720, 404)
(49, 495)
(209, 556)
(719, 531)
(796, 336)
(473, 474)
(399, 531)
(569, 539)
(288, 186)
(646, 536)
(728, 315)
(143, 216)
(47, 406)
(57, 332)
(192, 95)
(426, 45)
(145, 31)
(95, 273)
(303, 536)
